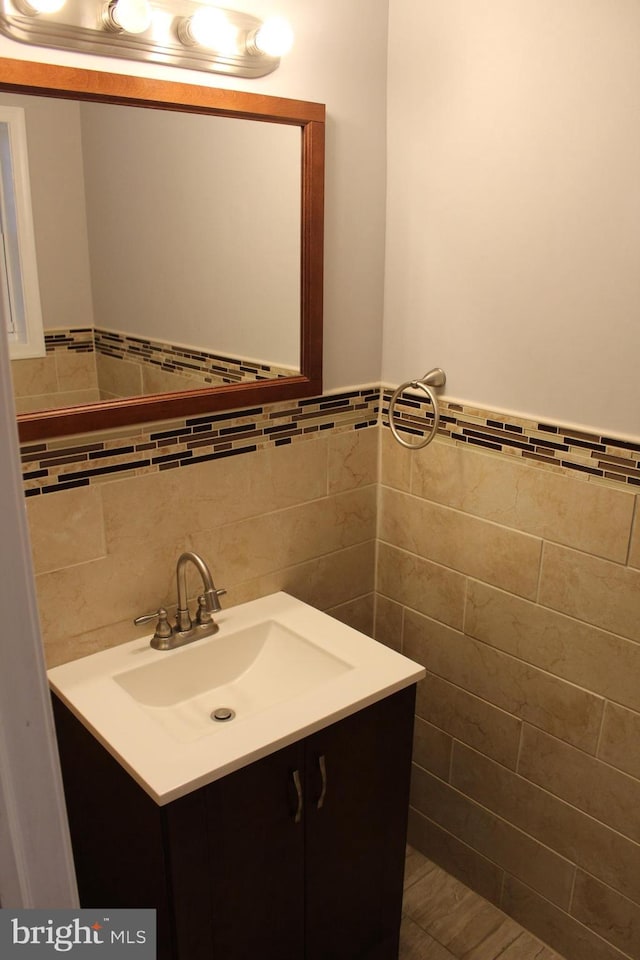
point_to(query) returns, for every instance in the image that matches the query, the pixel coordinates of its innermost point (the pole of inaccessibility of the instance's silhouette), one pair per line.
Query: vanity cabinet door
(357, 790)
(257, 838)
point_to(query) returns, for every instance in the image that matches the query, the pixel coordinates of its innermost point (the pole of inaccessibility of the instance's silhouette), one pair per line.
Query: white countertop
(168, 762)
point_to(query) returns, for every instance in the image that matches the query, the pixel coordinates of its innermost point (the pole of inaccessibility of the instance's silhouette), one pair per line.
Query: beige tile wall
(299, 517)
(61, 378)
(519, 590)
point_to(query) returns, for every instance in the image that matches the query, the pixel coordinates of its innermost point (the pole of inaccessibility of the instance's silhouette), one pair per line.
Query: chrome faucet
(166, 636)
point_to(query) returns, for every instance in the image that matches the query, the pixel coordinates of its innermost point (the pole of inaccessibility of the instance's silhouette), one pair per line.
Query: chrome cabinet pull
(298, 785)
(323, 773)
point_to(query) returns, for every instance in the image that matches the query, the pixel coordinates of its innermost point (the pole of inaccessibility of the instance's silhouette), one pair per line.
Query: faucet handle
(163, 627)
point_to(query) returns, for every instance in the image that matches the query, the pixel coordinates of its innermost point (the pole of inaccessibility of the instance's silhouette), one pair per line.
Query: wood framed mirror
(167, 97)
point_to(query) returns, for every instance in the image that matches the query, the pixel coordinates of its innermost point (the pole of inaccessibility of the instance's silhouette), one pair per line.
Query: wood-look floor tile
(416, 865)
(415, 944)
(526, 947)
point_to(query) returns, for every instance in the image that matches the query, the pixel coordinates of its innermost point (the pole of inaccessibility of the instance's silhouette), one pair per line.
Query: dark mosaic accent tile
(35, 475)
(536, 456)
(477, 442)
(146, 446)
(634, 480)
(58, 461)
(504, 440)
(229, 415)
(36, 448)
(612, 442)
(280, 443)
(581, 468)
(112, 468)
(33, 492)
(63, 451)
(548, 428)
(168, 466)
(249, 428)
(167, 434)
(584, 444)
(116, 452)
(550, 444)
(167, 457)
(327, 426)
(221, 455)
(66, 485)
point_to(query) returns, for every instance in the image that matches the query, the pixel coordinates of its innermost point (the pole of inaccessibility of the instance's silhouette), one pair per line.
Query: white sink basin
(245, 672)
(283, 668)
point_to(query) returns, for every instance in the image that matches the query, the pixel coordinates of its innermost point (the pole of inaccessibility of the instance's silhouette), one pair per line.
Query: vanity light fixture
(132, 16)
(182, 33)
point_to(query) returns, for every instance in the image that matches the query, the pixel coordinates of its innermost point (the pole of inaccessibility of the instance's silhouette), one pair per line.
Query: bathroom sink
(242, 672)
(276, 671)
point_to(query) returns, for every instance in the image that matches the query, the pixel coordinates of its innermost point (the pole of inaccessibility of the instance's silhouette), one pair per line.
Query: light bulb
(133, 16)
(210, 28)
(46, 6)
(274, 37)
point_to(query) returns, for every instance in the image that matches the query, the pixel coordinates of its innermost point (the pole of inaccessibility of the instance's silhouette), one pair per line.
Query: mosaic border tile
(65, 463)
(565, 449)
(186, 361)
(77, 462)
(196, 364)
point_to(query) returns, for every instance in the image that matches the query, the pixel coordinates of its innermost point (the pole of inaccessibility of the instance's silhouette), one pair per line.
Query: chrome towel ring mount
(435, 378)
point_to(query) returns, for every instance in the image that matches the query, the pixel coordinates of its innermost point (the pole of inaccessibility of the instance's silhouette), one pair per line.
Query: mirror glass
(178, 249)
(146, 223)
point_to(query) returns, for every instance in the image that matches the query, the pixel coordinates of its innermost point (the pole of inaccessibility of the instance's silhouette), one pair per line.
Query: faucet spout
(210, 594)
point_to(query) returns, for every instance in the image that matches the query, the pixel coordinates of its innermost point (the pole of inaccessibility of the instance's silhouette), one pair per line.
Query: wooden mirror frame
(20, 76)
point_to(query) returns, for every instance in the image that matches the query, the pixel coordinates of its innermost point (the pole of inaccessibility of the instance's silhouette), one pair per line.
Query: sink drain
(222, 714)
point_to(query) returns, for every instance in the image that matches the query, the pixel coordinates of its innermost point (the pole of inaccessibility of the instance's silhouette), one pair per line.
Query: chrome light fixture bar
(181, 33)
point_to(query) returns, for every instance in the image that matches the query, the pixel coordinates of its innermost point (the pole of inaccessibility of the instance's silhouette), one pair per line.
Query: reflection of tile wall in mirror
(85, 366)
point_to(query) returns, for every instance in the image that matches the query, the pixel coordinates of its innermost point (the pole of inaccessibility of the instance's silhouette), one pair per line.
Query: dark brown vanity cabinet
(297, 856)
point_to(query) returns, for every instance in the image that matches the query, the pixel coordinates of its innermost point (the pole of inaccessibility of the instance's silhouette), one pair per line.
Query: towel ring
(435, 378)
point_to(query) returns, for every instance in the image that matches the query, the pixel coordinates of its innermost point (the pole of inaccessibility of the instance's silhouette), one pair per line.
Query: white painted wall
(339, 58)
(513, 217)
(194, 229)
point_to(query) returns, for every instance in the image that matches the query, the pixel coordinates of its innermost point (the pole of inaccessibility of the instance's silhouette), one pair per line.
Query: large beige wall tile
(91, 595)
(353, 459)
(589, 517)
(121, 378)
(607, 913)
(596, 591)
(515, 687)
(34, 376)
(431, 748)
(421, 585)
(207, 495)
(589, 784)
(66, 528)
(634, 550)
(324, 582)
(469, 719)
(252, 548)
(493, 837)
(503, 557)
(620, 740)
(457, 858)
(356, 613)
(395, 463)
(587, 656)
(584, 841)
(388, 622)
(569, 937)
(76, 369)
(156, 380)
